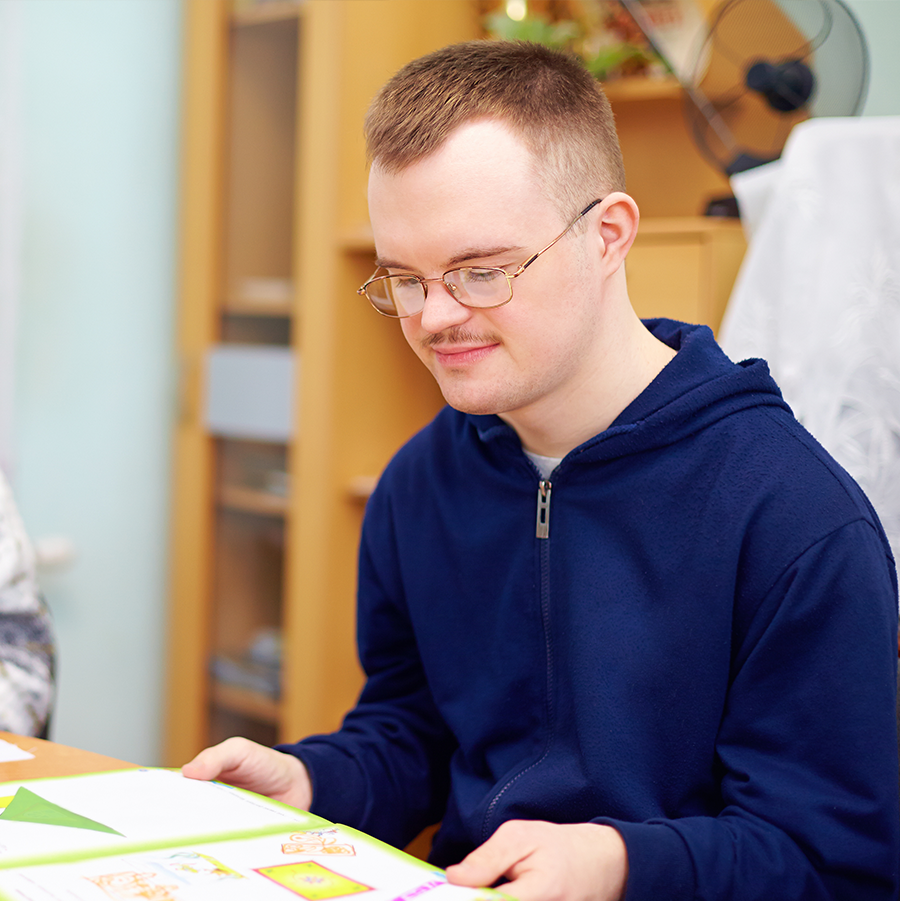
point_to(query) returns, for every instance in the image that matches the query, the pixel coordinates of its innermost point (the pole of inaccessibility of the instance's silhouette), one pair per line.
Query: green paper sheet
(27, 807)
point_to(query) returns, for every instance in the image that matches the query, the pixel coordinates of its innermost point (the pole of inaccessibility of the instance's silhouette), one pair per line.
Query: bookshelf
(265, 531)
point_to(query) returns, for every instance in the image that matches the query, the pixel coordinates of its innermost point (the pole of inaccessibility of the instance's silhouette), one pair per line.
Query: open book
(151, 834)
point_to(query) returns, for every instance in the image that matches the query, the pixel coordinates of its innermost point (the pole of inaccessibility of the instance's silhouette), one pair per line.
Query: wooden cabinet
(684, 268)
(274, 244)
(273, 200)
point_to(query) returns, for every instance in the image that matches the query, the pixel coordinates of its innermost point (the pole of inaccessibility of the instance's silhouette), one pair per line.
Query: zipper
(543, 509)
(543, 531)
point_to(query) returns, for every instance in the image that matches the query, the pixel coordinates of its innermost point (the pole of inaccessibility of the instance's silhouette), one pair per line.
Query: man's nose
(441, 309)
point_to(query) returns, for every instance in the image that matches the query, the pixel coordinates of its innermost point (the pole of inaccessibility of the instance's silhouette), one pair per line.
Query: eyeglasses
(479, 287)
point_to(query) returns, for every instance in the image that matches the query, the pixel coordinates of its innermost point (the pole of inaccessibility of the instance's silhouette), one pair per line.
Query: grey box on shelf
(250, 392)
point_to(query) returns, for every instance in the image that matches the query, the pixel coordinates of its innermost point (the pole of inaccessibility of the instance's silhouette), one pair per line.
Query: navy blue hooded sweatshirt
(699, 651)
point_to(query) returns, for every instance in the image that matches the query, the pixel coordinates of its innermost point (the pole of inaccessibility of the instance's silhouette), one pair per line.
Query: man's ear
(617, 227)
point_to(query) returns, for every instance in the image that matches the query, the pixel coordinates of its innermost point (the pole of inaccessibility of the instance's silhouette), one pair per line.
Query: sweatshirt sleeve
(26, 637)
(807, 746)
(386, 771)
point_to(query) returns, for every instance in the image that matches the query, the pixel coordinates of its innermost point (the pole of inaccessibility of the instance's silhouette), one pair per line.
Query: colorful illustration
(318, 841)
(134, 886)
(312, 881)
(195, 868)
(27, 807)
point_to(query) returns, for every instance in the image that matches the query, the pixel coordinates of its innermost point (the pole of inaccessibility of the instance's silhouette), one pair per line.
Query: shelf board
(247, 703)
(687, 225)
(361, 487)
(625, 90)
(252, 500)
(271, 309)
(266, 11)
(358, 239)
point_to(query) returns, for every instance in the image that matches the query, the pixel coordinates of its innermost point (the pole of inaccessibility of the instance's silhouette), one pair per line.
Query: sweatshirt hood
(696, 389)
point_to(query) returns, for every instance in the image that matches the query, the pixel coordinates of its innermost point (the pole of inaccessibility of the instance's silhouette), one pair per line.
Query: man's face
(478, 202)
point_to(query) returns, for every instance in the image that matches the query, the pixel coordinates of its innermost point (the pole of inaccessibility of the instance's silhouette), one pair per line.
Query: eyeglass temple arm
(559, 237)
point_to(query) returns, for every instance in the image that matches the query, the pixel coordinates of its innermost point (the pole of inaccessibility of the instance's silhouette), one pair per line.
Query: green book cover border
(301, 820)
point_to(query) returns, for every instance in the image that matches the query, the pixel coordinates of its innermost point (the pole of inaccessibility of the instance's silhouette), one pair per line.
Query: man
(628, 630)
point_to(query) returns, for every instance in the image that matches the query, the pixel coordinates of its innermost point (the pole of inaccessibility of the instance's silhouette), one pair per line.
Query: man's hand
(549, 862)
(245, 764)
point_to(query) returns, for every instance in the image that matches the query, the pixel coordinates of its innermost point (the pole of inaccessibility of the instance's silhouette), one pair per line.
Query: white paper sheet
(10, 752)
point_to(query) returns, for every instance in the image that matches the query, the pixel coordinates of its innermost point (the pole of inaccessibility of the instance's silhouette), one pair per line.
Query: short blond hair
(547, 98)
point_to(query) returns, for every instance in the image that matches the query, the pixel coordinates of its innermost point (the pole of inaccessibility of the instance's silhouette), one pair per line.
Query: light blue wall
(880, 23)
(94, 360)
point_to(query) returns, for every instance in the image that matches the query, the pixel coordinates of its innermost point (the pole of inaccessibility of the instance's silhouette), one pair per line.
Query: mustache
(458, 335)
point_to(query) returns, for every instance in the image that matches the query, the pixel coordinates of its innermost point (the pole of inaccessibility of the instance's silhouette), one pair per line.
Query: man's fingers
(532, 885)
(203, 766)
(212, 762)
(497, 857)
(475, 873)
(546, 862)
(246, 764)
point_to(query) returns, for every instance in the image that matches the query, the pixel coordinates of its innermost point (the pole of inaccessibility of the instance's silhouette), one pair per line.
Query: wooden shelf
(251, 704)
(252, 500)
(361, 487)
(275, 309)
(274, 163)
(685, 225)
(266, 11)
(358, 239)
(624, 90)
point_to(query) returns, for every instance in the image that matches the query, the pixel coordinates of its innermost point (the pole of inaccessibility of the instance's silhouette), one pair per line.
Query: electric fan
(763, 66)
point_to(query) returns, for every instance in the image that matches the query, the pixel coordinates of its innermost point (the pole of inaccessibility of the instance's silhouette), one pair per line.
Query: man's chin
(468, 403)
(480, 396)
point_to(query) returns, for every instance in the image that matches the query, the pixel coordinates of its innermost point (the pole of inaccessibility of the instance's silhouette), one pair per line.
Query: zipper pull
(543, 509)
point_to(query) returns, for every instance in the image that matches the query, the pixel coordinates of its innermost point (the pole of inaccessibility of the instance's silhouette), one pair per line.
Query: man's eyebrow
(464, 256)
(483, 253)
(382, 263)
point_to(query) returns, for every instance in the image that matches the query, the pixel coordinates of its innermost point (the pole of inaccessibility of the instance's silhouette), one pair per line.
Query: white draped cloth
(818, 295)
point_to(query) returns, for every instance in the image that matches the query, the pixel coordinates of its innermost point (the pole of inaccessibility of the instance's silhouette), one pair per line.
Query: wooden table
(51, 759)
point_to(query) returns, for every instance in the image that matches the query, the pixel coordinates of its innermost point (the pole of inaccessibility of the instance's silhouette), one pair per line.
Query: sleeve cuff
(659, 865)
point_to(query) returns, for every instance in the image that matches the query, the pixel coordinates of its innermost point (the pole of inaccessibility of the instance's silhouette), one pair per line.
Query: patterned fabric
(26, 637)
(818, 295)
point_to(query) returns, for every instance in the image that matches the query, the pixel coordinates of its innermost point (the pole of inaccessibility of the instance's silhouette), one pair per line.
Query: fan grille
(798, 40)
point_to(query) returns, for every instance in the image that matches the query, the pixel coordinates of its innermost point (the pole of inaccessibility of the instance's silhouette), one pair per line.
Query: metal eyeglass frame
(453, 288)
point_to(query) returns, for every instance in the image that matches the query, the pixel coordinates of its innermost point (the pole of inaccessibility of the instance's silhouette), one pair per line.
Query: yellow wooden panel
(664, 278)
(665, 171)
(725, 250)
(191, 570)
(685, 268)
(362, 392)
(378, 37)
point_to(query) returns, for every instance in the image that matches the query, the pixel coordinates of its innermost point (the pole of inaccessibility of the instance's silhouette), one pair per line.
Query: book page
(72, 816)
(320, 864)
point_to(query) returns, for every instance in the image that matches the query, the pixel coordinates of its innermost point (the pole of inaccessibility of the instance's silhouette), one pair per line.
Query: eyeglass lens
(405, 295)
